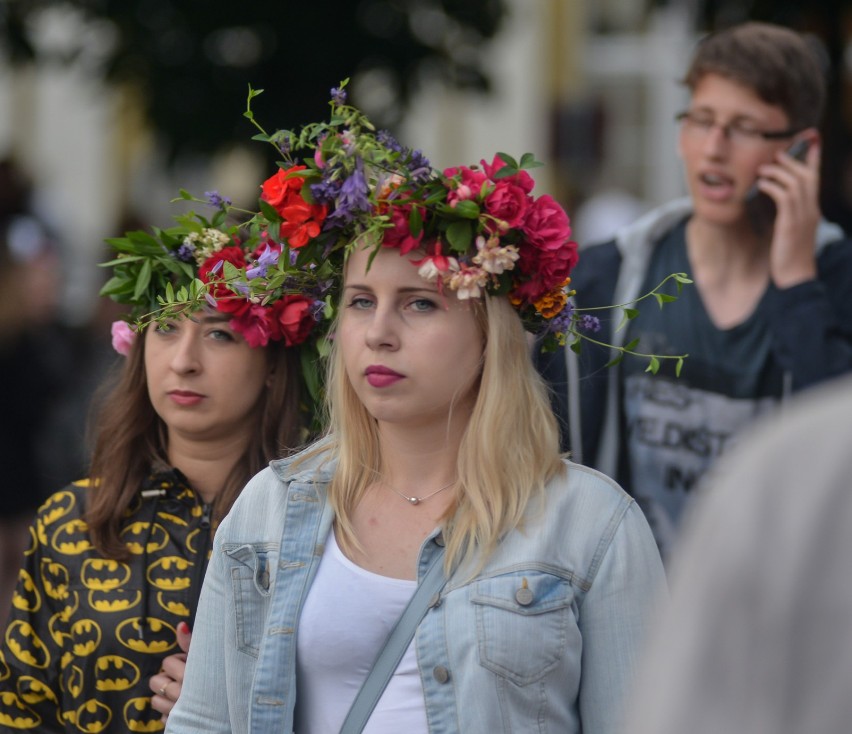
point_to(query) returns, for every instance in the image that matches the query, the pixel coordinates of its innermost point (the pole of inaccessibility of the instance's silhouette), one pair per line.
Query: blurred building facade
(589, 86)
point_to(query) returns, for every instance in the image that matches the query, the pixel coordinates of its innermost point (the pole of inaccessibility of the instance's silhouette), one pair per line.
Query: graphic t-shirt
(676, 427)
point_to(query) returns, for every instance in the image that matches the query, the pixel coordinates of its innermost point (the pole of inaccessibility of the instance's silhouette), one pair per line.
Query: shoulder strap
(394, 648)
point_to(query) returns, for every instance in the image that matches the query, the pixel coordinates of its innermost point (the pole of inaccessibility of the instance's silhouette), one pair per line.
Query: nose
(717, 141)
(186, 357)
(382, 331)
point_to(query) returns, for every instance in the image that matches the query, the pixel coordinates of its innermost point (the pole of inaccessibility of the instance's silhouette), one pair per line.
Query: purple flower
(210, 299)
(561, 323)
(326, 191)
(216, 200)
(389, 141)
(338, 95)
(185, 252)
(352, 198)
(420, 167)
(267, 257)
(318, 310)
(590, 323)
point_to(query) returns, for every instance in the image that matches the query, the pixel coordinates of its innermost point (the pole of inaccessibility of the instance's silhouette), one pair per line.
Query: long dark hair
(129, 439)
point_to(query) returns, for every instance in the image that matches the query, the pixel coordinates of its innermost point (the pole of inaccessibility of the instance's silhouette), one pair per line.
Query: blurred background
(108, 107)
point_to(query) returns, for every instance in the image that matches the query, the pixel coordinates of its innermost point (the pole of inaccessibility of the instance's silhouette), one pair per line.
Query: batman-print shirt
(86, 633)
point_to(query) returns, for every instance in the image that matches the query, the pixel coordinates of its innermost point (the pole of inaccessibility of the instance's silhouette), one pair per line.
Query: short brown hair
(780, 65)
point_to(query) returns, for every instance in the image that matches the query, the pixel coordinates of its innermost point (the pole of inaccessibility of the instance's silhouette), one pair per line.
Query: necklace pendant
(414, 500)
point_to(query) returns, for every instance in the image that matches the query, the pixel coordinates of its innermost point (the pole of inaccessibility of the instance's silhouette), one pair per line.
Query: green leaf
(577, 346)
(631, 313)
(467, 209)
(144, 279)
(528, 161)
(269, 211)
(170, 292)
(184, 194)
(663, 298)
(653, 366)
(415, 221)
(631, 347)
(459, 235)
(678, 366)
(508, 160)
(614, 361)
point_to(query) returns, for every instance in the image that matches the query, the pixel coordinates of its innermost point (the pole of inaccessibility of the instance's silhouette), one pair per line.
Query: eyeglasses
(739, 132)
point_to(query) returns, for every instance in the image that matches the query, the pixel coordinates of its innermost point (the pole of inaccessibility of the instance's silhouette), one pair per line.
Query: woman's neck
(418, 460)
(206, 464)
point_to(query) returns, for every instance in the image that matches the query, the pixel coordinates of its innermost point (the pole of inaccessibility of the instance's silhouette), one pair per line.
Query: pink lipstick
(379, 376)
(185, 397)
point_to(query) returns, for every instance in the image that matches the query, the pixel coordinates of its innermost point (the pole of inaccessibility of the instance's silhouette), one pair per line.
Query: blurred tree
(194, 60)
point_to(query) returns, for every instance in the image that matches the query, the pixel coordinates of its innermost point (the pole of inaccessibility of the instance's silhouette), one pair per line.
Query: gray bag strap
(395, 646)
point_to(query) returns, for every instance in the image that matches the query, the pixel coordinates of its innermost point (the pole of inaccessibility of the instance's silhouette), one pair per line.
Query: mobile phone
(760, 206)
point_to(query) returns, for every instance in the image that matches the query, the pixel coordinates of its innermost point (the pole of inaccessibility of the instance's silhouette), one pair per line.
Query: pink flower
(547, 225)
(508, 203)
(470, 184)
(432, 266)
(123, 336)
(399, 235)
(521, 178)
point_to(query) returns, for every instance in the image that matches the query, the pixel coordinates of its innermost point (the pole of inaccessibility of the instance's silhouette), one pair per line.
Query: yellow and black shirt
(85, 633)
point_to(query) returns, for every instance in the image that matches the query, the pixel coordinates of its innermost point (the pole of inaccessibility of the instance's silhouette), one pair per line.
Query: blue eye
(359, 303)
(221, 335)
(422, 305)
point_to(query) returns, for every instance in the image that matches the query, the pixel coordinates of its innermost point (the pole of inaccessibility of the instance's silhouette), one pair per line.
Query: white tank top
(346, 618)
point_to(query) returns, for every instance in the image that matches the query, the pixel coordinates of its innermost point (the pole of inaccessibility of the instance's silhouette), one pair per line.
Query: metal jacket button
(524, 595)
(440, 674)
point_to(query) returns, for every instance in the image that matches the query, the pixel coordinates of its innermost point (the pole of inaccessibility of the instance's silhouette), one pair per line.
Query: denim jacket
(556, 658)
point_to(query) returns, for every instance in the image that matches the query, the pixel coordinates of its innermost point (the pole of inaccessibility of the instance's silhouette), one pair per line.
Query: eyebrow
(404, 289)
(210, 319)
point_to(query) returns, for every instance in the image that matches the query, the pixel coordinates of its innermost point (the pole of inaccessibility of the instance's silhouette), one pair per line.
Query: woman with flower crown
(111, 579)
(506, 588)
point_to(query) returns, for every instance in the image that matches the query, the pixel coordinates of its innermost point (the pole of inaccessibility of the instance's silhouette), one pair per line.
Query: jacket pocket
(250, 569)
(523, 621)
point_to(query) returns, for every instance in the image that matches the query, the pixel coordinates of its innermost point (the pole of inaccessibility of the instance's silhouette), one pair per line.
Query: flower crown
(342, 185)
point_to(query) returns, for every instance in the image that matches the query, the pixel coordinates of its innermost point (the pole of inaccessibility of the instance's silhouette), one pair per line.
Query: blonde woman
(441, 453)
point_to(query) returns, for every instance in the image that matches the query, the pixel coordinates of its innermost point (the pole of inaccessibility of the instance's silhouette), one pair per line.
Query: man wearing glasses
(770, 311)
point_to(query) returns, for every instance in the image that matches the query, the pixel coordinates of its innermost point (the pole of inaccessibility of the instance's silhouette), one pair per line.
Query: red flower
(226, 300)
(292, 318)
(302, 221)
(400, 235)
(255, 325)
(276, 188)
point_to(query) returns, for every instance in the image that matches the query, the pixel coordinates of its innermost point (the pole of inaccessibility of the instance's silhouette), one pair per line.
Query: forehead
(388, 266)
(729, 99)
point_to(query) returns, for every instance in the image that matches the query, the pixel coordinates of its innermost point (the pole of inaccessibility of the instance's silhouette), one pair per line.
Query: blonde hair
(508, 452)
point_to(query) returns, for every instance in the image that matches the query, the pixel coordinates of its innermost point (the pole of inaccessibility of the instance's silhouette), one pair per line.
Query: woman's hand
(167, 683)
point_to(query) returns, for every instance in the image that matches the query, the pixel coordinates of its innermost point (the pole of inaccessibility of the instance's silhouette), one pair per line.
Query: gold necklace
(416, 500)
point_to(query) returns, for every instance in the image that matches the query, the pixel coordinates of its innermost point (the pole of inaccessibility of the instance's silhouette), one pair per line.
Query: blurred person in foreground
(105, 601)
(770, 312)
(756, 638)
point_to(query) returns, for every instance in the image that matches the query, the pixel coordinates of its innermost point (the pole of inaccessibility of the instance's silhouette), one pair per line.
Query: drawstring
(158, 494)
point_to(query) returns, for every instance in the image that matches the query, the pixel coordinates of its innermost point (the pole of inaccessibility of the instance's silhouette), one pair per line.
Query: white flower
(430, 271)
(468, 283)
(493, 258)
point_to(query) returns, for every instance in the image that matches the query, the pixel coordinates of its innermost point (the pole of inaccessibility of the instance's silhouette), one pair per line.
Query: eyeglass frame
(688, 116)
